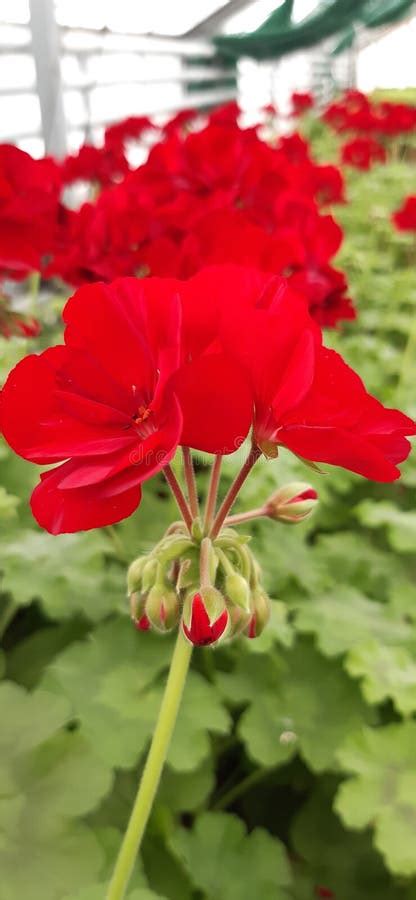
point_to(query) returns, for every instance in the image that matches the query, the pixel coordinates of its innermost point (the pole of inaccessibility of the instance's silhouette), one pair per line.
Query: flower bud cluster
(165, 589)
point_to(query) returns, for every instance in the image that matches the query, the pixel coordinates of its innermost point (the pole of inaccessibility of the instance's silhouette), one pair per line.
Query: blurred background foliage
(292, 773)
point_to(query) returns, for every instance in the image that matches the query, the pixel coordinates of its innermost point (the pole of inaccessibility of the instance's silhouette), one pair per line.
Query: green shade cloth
(279, 35)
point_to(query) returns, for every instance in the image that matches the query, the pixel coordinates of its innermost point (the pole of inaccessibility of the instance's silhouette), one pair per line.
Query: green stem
(241, 788)
(212, 493)
(179, 496)
(153, 769)
(234, 490)
(190, 482)
(204, 562)
(245, 516)
(117, 543)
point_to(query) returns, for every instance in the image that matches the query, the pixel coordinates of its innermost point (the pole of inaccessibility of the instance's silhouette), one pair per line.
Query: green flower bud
(134, 574)
(239, 620)
(162, 607)
(292, 503)
(149, 574)
(237, 590)
(260, 613)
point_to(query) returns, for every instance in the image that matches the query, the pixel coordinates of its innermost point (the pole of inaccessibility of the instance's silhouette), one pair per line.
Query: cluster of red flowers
(149, 364)
(373, 124)
(362, 153)
(214, 194)
(355, 112)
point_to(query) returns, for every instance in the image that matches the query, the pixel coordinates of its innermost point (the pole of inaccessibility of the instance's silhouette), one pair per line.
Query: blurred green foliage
(292, 770)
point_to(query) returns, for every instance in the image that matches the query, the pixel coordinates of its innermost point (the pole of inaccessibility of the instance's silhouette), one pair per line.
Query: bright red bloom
(227, 114)
(301, 102)
(405, 217)
(141, 370)
(201, 630)
(306, 397)
(102, 165)
(179, 121)
(131, 128)
(362, 153)
(29, 190)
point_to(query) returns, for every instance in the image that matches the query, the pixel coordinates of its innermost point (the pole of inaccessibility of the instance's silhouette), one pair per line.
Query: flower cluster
(210, 192)
(150, 364)
(362, 153)
(355, 112)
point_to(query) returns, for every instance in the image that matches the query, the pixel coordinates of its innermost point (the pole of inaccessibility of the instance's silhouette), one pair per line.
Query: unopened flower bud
(149, 574)
(205, 617)
(239, 620)
(134, 574)
(292, 503)
(261, 608)
(237, 590)
(162, 607)
(137, 604)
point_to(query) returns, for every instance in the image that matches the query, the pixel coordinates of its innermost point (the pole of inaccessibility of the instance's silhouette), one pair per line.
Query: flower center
(142, 414)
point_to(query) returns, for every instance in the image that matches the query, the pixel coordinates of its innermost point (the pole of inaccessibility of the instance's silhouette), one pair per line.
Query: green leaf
(342, 861)
(186, 791)
(118, 712)
(400, 525)
(309, 709)
(386, 672)
(382, 791)
(223, 861)
(66, 573)
(28, 659)
(344, 618)
(8, 505)
(48, 777)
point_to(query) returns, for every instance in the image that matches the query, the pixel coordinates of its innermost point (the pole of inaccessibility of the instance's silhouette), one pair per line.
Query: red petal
(79, 509)
(216, 404)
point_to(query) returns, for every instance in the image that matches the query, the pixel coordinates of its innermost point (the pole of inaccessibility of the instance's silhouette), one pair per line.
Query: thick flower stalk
(149, 366)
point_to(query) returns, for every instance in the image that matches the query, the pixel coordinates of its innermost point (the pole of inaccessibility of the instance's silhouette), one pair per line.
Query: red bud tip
(201, 631)
(143, 623)
(324, 892)
(309, 494)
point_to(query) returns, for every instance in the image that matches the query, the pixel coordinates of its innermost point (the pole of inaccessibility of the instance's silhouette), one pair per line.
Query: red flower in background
(301, 101)
(29, 192)
(225, 115)
(102, 165)
(179, 121)
(405, 218)
(132, 128)
(362, 153)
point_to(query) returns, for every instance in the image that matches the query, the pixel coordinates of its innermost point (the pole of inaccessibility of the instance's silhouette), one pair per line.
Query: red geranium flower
(29, 190)
(405, 217)
(301, 102)
(141, 370)
(115, 136)
(362, 153)
(102, 165)
(306, 397)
